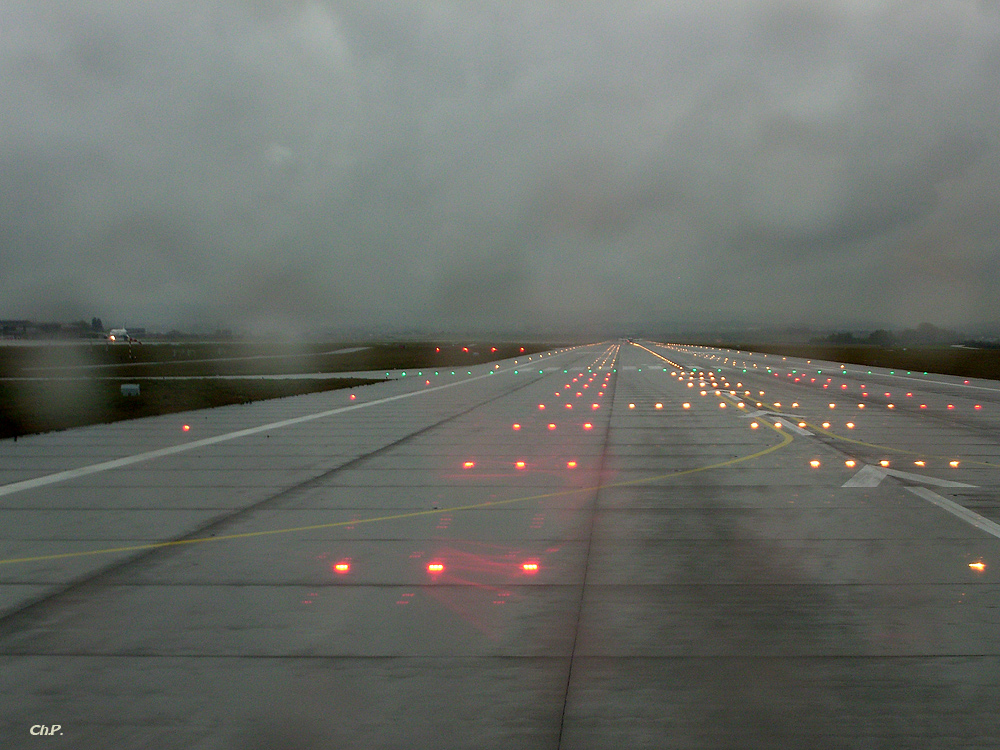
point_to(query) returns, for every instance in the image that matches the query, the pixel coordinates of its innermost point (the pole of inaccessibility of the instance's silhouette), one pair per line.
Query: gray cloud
(452, 163)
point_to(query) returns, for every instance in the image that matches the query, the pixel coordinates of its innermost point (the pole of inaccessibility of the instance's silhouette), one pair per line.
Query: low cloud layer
(518, 165)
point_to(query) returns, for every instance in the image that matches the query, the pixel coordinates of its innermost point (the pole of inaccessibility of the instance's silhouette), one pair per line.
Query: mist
(521, 166)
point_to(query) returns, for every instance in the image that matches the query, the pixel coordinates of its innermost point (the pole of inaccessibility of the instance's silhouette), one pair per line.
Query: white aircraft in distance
(120, 336)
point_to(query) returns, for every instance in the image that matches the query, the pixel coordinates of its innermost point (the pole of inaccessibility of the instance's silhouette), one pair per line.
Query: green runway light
(515, 372)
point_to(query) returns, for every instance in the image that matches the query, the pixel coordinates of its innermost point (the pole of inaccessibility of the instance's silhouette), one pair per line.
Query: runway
(622, 544)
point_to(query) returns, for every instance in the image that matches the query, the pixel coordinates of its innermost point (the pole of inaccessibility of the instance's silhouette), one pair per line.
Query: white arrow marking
(983, 524)
(790, 421)
(871, 476)
(792, 426)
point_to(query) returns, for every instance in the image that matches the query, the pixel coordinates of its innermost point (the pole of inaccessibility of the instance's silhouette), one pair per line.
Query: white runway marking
(983, 524)
(118, 463)
(871, 476)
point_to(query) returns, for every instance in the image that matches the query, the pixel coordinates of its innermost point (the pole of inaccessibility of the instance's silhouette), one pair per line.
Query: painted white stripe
(925, 480)
(869, 476)
(983, 524)
(792, 426)
(119, 463)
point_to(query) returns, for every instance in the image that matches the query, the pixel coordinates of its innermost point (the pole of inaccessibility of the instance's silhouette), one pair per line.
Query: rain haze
(514, 165)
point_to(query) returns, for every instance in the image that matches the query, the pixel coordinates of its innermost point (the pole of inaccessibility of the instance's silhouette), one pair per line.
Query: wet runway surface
(585, 549)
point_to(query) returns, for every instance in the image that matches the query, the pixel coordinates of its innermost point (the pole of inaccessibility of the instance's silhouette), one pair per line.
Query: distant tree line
(925, 334)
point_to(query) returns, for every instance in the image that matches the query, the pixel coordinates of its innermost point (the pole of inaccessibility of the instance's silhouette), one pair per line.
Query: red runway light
(342, 567)
(353, 397)
(435, 567)
(515, 426)
(186, 427)
(552, 425)
(468, 464)
(588, 426)
(529, 567)
(519, 465)
(541, 407)
(571, 464)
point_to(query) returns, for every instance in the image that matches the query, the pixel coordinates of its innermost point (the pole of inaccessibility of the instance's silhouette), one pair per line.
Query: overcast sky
(260, 162)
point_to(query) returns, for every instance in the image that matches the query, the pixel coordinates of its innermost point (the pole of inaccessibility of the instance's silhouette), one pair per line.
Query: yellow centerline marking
(786, 440)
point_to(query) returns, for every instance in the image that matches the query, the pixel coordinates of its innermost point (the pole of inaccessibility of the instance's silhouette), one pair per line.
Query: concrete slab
(698, 583)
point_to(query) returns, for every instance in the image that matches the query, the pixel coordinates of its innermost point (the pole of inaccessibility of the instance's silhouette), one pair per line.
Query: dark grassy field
(28, 407)
(71, 385)
(196, 359)
(968, 363)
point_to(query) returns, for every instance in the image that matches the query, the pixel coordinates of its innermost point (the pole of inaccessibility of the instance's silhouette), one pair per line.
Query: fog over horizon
(519, 165)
